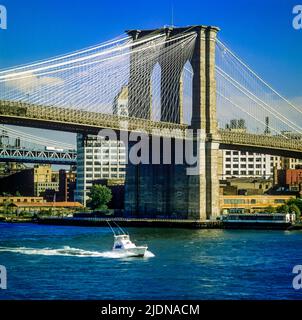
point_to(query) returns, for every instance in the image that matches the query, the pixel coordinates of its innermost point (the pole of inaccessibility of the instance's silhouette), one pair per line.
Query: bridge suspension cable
(32, 139)
(98, 79)
(115, 41)
(242, 94)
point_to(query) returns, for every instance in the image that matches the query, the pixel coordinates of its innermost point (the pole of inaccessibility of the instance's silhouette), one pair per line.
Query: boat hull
(134, 252)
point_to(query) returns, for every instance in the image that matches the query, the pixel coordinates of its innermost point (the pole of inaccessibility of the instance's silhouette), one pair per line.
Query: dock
(133, 222)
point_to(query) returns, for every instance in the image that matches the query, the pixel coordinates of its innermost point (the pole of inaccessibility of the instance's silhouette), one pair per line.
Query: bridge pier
(168, 190)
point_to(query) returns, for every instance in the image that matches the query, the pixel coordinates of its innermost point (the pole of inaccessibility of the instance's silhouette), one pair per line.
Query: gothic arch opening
(156, 93)
(186, 94)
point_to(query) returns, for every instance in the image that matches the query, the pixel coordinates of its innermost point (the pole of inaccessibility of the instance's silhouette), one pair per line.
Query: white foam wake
(68, 251)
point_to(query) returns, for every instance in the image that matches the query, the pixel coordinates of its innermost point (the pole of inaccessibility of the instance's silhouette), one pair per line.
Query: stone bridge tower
(157, 190)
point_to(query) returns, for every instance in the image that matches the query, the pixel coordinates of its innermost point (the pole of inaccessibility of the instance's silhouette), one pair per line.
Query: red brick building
(291, 178)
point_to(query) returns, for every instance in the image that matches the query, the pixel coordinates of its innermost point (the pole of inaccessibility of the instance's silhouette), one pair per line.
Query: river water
(51, 262)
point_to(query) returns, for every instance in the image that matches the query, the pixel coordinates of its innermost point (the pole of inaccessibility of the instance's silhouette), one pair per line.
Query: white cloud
(33, 82)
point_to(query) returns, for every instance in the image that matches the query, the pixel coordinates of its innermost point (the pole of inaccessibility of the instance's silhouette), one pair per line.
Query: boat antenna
(110, 227)
(123, 231)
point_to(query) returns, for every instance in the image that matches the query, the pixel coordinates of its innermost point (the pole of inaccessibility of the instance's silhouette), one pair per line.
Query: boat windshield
(121, 237)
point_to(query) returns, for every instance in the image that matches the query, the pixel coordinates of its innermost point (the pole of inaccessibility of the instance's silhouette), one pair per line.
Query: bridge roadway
(72, 120)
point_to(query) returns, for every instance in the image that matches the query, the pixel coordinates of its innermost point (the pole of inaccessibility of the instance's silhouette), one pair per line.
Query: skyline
(271, 46)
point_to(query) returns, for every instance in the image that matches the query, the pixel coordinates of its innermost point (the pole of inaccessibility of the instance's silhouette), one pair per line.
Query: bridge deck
(84, 121)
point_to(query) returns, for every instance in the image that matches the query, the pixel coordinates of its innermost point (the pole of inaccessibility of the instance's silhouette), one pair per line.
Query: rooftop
(63, 204)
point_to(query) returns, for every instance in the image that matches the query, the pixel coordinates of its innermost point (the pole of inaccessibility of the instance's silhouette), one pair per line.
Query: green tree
(297, 202)
(270, 209)
(99, 197)
(18, 194)
(283, 209)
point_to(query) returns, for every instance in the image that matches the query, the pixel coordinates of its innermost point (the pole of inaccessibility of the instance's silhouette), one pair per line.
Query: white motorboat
(123, 244)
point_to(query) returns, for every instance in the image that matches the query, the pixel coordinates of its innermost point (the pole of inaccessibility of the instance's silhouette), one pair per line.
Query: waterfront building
(49, 207)
(9, 199)
(250, 204)
(246, 164)
(44, 179)
(247, 186)
(97, 159)
(31, 182)
(67, 185)
(290, 179)
(242, 164)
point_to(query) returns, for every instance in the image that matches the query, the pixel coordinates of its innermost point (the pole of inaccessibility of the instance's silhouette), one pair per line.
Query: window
(234, 201)
(279, 201)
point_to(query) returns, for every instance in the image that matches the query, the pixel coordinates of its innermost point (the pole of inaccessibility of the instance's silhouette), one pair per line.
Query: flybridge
(3, 17)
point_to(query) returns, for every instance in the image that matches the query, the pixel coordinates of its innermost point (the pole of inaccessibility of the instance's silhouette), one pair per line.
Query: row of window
(244, 159)
(250, 166)
(252, 201)
(243, 153)
(106, 176)
(236, 172)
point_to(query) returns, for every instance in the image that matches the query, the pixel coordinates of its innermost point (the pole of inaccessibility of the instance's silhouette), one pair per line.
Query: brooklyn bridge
(164, 82)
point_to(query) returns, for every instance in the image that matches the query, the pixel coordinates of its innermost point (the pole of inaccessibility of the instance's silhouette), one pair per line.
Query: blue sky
(260, 32)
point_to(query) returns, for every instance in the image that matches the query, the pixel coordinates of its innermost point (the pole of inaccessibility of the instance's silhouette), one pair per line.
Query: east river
(51, 262)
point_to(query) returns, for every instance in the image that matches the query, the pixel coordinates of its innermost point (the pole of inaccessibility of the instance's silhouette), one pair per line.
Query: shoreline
(153, 223)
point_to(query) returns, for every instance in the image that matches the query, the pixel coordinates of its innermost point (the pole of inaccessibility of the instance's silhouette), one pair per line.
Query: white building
(97, 159)
(241, 164)
(246, 164)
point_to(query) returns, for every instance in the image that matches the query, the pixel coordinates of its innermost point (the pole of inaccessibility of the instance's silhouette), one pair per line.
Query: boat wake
(68, 251)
